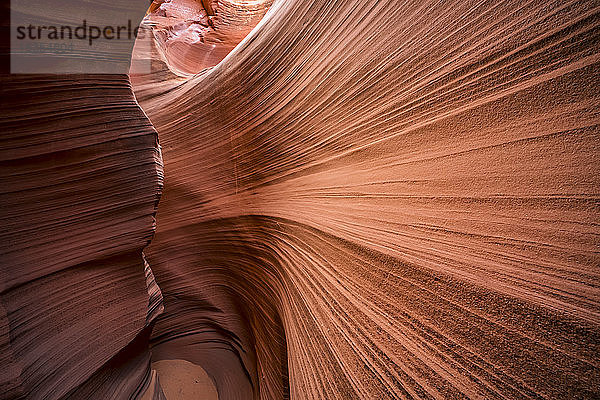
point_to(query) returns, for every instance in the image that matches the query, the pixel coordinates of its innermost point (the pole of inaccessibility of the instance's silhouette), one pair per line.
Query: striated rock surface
(381, 200)
(362, 200)
(80, 177)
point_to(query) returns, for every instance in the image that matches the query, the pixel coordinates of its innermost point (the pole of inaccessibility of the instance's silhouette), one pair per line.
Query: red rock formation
(80, 179)
(81, 173)
(193, 35)
(399, 201)
(363, 200)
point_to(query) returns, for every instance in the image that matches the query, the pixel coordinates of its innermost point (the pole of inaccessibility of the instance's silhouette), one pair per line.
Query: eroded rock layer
(363, 200)
(81, 174)
(192, 35)
(386, 200)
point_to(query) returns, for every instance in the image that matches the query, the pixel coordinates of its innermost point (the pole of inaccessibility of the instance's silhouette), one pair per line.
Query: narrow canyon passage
(332, 199)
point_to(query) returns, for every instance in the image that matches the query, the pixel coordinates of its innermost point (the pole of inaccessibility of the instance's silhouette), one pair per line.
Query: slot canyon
(305, 200)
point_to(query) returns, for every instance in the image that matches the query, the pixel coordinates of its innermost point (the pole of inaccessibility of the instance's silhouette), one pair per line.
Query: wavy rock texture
(193, 35)
(370, 200)
(81, 173)
(385, 200)
(80, 179)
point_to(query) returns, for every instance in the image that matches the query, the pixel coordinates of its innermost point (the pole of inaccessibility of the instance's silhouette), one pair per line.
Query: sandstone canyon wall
(374, 200)
(80, 179)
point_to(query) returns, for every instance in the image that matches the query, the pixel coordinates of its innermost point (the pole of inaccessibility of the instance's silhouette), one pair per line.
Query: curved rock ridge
(384, 201)
(81, 173)
(362, 200)
(80, 179)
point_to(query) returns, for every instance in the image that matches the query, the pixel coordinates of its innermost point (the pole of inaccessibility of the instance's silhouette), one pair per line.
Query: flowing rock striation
(381, 200)
(81, 176)
(80, 179)
(373, 200)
